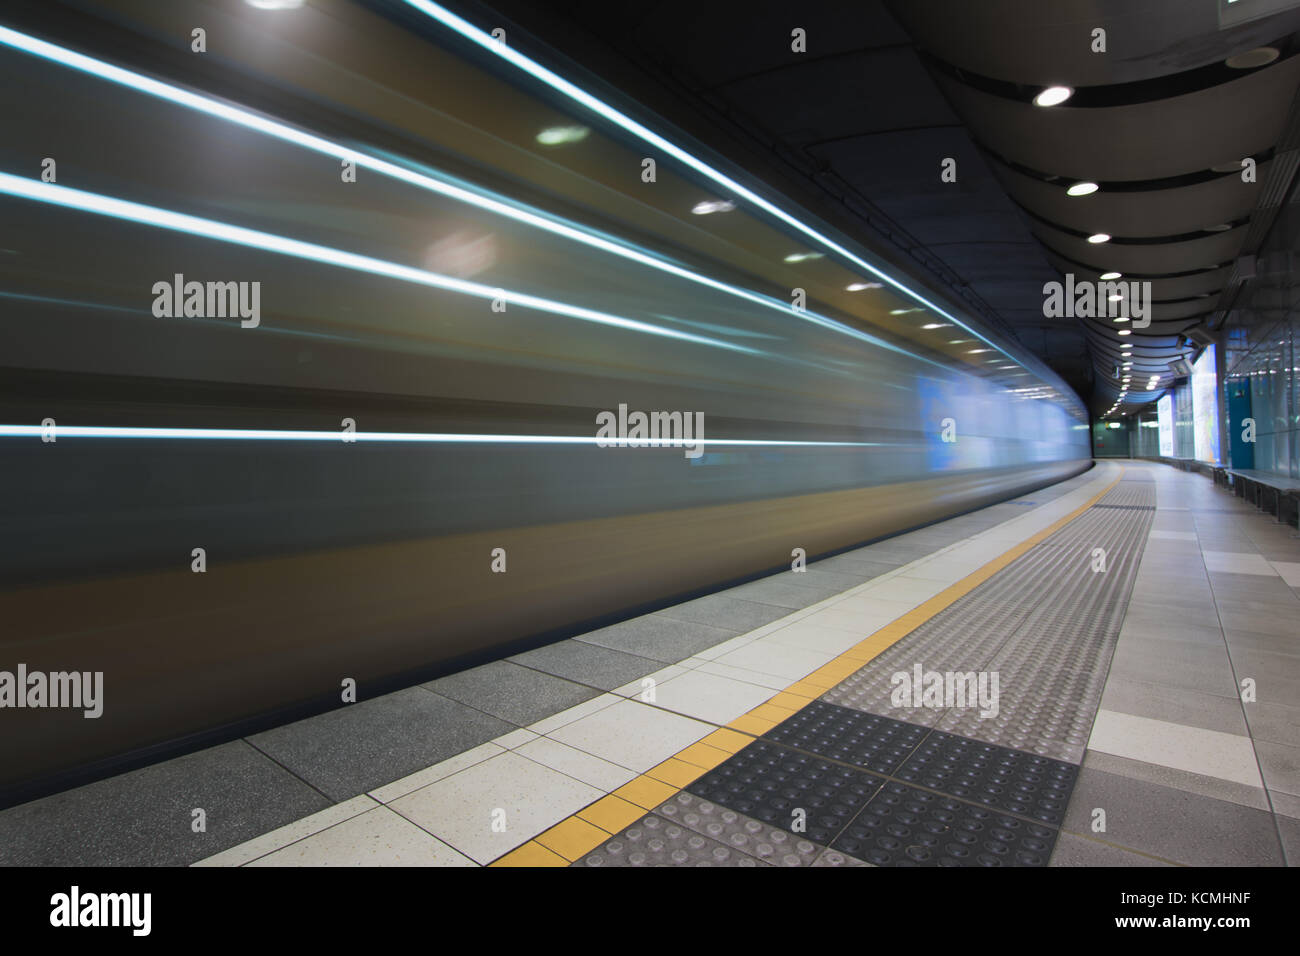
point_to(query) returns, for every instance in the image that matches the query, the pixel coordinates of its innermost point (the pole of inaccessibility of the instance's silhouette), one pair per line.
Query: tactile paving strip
(745, 834)
(654, 841)
(864, 740)
(904, 826)
(1010, 780)
(770, 783)
(1047, 625)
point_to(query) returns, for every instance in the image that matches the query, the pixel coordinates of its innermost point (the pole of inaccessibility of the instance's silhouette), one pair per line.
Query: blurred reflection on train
(456, 271)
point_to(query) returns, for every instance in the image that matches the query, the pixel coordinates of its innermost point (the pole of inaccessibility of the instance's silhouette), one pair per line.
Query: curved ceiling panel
(1162, 290)
(1137, 213)
(1147, 258)
(1041, 43)
(1155, 140)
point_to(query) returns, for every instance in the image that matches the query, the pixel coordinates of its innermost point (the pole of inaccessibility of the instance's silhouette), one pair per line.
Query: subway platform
(1105, 672)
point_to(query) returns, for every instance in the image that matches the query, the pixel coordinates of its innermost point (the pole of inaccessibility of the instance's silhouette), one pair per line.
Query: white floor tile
(815, 637)
(516, 738)
(710, 697)
(770, 681)
(779, 660)
(576, 712)
(575, 763)
(1290, 572)
(378, 837)
(1173, 535)
(464, 809)
(1208, 752)
(1235, 562)
(276, 839)
(422, 778)
(632, 734)
(638, 687)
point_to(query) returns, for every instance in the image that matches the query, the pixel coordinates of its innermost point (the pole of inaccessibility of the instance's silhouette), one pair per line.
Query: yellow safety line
(572, 838)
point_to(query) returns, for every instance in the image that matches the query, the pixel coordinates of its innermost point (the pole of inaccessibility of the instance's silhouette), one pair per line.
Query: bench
(1268, 492)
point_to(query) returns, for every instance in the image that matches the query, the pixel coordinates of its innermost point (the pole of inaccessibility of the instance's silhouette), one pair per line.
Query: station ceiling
(858, 127)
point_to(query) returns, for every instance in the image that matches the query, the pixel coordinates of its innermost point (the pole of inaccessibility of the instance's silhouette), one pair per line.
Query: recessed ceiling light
(859, 286)
(713, 205)
(561, 135)
(1099, 237)
(1053, 96)
(937, 325)
(904, 311)
(1125, 331)
(976, 351)
(1251, 59)
(1120, 318)
(801, 256)
(1082, 189)
(1107, 276)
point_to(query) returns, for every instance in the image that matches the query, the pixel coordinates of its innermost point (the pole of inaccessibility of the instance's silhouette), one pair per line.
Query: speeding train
(314, 323)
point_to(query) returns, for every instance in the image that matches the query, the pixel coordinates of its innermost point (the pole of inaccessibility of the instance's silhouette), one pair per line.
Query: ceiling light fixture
(708, 206)
(1107, 276)
(1098, 237)
(1252, 59)
(1082, 189)
(859, 286)
(1053, 96)
(561, 135)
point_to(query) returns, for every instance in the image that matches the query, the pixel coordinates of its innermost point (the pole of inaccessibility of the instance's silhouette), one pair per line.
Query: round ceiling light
(1252, 59)
(1053, 96)
(1107, 276)
(1099, 237)
(1082, 189)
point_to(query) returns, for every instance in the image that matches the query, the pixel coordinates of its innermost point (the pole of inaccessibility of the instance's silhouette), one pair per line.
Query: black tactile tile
(769, 782)
(904, 826)
(865, 740)
(1011, 780)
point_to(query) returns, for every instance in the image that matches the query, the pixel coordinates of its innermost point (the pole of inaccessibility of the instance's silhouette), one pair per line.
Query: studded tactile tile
(864, 740)
(904, 826)
(1020, 783)
(836, 858)
(767, 843)
(769, 783)
(654, 841)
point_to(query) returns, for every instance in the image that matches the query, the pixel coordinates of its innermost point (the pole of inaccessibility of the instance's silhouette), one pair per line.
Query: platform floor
(1121, 612)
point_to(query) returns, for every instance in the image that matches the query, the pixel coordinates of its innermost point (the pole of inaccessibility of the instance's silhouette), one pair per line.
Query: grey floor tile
(825, 578)
(1276, 722)
(1173, 824)
(512, 692)
(144, 818)
(365, 745)
(1271, 643)
(588, 664)
(852, 564)
(659, 638)
(1197, 668)
(723, 610)
(1074, 850)
(778, 592)
(1161, 702)
(1261, 619)
(1281, 766)
(1289, 830)
(1200, 784)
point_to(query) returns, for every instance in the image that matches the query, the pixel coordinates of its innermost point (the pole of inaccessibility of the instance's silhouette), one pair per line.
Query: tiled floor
(661, 739)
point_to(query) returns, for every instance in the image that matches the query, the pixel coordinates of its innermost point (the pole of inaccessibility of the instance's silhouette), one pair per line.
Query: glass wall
(1261, 352)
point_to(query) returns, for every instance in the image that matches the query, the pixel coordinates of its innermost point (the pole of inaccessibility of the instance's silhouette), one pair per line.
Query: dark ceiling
(858, 125)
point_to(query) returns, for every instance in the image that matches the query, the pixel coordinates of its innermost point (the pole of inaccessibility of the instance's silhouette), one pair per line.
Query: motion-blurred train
(461, 260)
